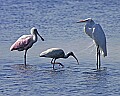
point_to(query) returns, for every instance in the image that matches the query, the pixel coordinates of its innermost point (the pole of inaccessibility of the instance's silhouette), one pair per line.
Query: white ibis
(56, 53)
(25, 42)
(96, 32)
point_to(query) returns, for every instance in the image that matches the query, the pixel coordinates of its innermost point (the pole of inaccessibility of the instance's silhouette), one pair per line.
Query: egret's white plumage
(56, 53)
(25, 42)
(99, 38)
(96, 32)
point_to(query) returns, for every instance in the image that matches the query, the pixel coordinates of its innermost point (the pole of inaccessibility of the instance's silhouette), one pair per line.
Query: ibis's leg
(58, 63)
(97, 56)
(52, 62)
(25, 57)
(61, 64)
(99, 59)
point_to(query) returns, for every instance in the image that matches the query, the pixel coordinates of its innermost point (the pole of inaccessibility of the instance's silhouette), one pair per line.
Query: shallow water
(56, 22)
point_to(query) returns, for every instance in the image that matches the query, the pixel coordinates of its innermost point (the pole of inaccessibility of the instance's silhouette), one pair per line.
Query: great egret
(96, 32)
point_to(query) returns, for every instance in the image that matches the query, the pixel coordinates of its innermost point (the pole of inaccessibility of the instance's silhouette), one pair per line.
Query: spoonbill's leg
(25, 57)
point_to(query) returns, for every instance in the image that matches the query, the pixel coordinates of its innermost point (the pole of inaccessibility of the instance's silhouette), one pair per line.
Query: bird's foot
(61, 65)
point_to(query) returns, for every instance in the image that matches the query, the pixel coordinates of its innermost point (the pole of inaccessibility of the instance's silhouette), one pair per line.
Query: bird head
(34, 31)
(72, 54)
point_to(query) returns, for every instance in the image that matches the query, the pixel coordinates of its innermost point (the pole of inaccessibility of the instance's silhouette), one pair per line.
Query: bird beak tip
(76, 59)
(42, 39)
(78, 22)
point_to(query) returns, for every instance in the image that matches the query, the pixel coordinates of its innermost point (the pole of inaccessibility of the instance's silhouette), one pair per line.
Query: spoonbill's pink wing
(21, 43)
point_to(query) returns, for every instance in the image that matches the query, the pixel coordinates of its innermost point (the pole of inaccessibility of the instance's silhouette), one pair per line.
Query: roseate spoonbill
(96, 32)
(25, 42)
(56, 53)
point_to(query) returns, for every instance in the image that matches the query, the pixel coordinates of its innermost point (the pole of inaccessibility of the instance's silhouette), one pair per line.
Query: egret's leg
(25, 57)
(97, 56)
(99, 59)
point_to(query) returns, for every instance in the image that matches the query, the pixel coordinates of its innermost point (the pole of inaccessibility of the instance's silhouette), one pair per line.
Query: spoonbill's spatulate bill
(56, 53)
(25, 42)
(96, 32)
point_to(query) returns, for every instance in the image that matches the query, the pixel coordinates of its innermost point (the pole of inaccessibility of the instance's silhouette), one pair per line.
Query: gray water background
(56, 22)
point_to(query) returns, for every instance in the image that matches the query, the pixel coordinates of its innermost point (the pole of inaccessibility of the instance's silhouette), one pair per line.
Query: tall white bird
(25, 42)
(96, 32)
(56, 53)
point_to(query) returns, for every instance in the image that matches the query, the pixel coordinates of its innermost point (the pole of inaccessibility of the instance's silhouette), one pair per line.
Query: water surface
(56, 22)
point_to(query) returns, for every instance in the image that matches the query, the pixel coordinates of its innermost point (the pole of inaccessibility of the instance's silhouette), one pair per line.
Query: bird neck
(35, 38)
(68, 54)
(89, 28)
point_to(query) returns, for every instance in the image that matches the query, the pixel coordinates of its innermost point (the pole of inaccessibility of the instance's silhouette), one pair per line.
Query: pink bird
(25, 42)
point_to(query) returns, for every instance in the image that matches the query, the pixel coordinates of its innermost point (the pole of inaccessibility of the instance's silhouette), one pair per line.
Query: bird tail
(11, 48)
(104, 52)
(42, 55)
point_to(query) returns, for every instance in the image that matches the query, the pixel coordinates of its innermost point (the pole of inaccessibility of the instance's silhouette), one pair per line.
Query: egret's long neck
(88, 28)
